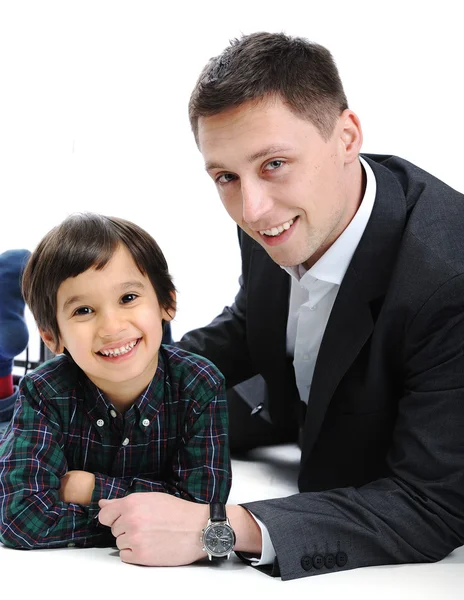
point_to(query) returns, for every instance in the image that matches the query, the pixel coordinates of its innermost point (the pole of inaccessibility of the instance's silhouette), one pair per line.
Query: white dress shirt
(312, 296)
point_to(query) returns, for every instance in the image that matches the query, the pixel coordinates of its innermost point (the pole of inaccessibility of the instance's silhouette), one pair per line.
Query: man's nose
(256, 202)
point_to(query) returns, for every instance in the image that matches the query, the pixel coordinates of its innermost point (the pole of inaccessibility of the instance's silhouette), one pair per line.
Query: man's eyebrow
(252, 157)
(126, 285)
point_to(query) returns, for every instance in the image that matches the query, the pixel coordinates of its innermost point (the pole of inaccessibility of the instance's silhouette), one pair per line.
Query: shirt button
(125, 442)
(100, 422)
(145, 422)
(306, 357)
(113, 413)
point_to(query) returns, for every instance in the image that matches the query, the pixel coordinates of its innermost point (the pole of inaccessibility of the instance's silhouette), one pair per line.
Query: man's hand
(157, 529)
(77, 487)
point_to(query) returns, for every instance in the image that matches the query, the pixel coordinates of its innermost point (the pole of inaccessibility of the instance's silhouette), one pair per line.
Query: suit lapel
(351, 322)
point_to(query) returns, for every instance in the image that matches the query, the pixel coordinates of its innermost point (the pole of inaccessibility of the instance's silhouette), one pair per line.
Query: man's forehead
(247, 132)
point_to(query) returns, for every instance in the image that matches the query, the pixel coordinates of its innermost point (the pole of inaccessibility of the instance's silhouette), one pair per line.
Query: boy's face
(110, 322)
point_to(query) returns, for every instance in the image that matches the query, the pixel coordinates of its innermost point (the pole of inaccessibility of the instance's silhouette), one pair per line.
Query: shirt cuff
(105, 487)
(268, 554)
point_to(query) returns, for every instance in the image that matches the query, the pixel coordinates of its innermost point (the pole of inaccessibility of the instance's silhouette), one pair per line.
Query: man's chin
(287, 260)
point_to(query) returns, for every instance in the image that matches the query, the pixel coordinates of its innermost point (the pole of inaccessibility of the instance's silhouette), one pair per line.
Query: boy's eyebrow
(252, 157)
(127, 285)
(132, 284)
(73, 300)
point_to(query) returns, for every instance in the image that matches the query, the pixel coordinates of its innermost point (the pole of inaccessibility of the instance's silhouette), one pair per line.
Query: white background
(93, 113)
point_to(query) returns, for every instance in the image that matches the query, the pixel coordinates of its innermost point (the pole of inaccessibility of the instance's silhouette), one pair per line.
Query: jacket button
(306, 563)
(329, 561)
(341, 559)
(318, 561)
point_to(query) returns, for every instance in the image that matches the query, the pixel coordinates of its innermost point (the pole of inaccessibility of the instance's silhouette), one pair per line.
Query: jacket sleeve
(415, 513)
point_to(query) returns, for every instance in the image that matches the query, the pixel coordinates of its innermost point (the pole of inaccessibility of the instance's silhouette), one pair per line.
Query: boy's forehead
(118, 275)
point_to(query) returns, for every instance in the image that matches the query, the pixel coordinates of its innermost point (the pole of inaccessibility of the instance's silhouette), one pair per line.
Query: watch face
(219, 539)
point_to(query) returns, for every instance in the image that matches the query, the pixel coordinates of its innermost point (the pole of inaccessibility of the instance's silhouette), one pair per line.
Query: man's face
(110, 322)
(280, 181)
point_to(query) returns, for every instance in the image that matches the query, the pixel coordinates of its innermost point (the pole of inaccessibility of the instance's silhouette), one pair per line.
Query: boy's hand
(77, 487)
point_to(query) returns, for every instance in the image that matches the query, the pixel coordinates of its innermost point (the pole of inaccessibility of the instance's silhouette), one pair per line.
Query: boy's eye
(128, 298)
(83, 310)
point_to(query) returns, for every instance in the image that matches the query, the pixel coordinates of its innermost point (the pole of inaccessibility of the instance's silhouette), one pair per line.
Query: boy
(114, 413)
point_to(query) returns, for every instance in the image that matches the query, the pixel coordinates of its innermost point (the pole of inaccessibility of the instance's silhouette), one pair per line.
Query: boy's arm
(77, 487)
(32, 464)
(200, 470)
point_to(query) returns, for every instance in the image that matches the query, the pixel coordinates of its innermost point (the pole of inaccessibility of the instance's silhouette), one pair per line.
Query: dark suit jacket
(382, 468)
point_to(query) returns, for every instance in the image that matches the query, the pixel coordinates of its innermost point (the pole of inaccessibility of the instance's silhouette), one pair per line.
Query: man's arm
(161, 530)
(415, 513)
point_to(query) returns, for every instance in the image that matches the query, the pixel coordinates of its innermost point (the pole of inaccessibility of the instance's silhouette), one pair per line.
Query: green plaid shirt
(173, 439)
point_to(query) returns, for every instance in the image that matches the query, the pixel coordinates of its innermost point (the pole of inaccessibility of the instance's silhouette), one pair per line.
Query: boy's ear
(50, 343)
(168, 315)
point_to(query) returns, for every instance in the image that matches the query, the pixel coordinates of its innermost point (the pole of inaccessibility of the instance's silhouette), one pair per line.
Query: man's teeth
(118, 351)
(278, 230)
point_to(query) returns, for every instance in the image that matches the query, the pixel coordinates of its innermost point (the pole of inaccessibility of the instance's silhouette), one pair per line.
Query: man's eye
(225, 178)
(83, 310)
(273, 164)
(128, 298)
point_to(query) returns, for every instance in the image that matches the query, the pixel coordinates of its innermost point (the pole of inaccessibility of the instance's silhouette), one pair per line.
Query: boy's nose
(110, 324)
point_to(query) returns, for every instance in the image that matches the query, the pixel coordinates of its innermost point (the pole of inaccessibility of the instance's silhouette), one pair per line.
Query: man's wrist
(247, 531)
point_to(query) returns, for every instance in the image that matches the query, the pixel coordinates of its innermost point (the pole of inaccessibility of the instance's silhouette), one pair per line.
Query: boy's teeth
(278, 230)
(118, 351)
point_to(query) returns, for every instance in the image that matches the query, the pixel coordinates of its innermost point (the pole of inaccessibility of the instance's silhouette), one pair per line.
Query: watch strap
(217, 512)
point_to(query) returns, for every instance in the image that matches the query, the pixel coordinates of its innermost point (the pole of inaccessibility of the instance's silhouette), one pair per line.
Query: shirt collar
(333, 264)
(146, 406)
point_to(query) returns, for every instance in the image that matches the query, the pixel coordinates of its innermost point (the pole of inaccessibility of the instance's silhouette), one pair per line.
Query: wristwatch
(218, 537)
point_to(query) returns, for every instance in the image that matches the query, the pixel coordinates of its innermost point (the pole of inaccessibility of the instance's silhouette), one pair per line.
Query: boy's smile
(110, 322)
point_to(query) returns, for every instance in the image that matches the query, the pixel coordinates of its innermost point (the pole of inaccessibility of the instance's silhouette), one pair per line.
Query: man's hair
(83, 241)
(260, 65)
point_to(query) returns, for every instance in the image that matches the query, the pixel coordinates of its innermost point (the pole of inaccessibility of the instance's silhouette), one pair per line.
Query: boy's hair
(303, 74)
(83, 241)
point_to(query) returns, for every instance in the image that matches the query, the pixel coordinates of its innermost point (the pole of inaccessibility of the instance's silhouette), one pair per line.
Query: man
(351, 308)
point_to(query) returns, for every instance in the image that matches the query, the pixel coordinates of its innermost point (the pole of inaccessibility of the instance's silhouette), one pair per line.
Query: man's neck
(355, 188)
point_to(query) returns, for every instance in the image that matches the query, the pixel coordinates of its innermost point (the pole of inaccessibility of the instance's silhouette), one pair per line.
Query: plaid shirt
(173, 439)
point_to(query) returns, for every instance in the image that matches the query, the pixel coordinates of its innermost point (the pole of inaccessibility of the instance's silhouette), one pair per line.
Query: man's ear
(49, 341)
(169, 314)
(351, 135)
